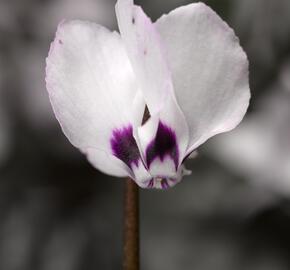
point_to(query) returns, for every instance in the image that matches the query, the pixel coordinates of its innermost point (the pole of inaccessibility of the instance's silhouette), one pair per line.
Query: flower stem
(131, 226)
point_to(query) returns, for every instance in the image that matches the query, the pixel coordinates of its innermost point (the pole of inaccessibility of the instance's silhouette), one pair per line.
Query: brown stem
(131, 226)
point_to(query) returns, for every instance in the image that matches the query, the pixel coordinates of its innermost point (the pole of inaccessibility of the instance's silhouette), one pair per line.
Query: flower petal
(91, 86)
(163, 140)
(147, 56)
(209, 70)
(107, 163)
(145, 52)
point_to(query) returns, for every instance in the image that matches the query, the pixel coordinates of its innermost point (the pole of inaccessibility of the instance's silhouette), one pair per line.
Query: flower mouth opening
(161, 182)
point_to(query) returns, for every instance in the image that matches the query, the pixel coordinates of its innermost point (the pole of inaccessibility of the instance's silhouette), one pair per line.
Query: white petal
(145, 52)
(163, 140)
(209, 70)
(107, 163)
(91, 85)
(163, 168)
(141, 175)
(148, 59)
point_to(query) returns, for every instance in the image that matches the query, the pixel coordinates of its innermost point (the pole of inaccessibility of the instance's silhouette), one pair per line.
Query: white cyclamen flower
(187, 68)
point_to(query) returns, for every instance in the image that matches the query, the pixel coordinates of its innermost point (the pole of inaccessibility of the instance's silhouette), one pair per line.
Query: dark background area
(58, 213)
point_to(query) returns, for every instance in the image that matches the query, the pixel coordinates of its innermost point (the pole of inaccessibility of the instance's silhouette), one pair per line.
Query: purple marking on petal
(164, 144)
(151, 183)
(164, 184)
(124, 146)
(60, 41)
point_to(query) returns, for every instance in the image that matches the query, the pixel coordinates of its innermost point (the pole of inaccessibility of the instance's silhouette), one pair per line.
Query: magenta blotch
(124, 146)
(164, 144)
(150, 184)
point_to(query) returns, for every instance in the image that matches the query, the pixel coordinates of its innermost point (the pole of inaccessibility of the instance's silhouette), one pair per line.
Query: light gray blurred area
(58, 213)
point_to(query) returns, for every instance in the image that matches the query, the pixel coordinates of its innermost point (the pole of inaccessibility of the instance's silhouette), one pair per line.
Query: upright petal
(209, 70)
(92, 88)
(163, 140)
(146, 53)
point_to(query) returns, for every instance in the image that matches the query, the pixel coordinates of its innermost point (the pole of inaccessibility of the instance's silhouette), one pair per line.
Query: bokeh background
(58, 213)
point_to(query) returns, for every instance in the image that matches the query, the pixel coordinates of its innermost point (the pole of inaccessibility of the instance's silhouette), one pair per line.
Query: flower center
(149, 173)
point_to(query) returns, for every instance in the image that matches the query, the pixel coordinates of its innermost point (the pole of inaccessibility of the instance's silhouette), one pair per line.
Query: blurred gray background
(58, 213)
